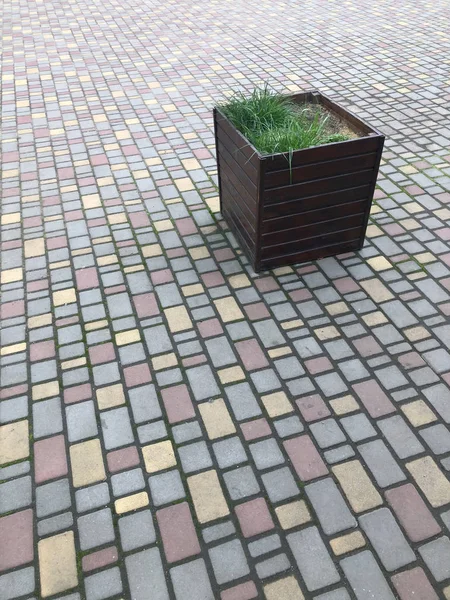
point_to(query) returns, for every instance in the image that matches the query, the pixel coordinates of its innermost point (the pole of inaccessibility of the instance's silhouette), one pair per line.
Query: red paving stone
(412, 513)
(16, 535)
(125, 458)
(243, 591)
(50, 460)
(99, 559)
(374, 399)
(251, 355)
(414, 585)
(305, 458)
(313, 408)
(254, 517)
(177, 532)
(178, 404)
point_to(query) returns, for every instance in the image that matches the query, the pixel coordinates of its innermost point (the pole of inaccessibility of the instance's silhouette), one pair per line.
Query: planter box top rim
(371, 132)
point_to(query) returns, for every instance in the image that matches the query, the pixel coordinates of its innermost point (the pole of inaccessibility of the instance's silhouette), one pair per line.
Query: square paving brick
(228, 561)
(254, 517)
(16, 533)
(136, 530)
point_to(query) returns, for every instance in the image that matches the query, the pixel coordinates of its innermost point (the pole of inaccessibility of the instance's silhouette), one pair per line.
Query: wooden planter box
(319, 206)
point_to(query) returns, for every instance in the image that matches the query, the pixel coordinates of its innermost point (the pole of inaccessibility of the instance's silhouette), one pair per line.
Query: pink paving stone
(176, 252)
(118, 460)
(393, 229)
(305, 458)
(16, 535)
(367, 346)
(256, 429)
(414, 190)
(177, 532)
(254, 517)
(243, 591)
(177, 403)
(307, 269)
(318, 365)
(50, 460)
(137, 375)
(41, 350)
(36, 286)
(312, 408)
(115, 289)
(202, 153)
(414, 585)
(251, 354)
(443, 233)
(73, 215)
(99, 159)
(266, 284)
(99, 559)
(13, 391)
(78, 393)
(224, 254)
(410, 360)
(56, 242)
(194, 360)
(67, 321)
(346, 285)
(374, 399)
(146, 305)
(12, 309)
(412, 512)
(102, 353)
(186, 226)
(445, 258)
(139, 219)
(163, 276)
(256, 311)
(213, 279)
(209, 328)
(300, 295)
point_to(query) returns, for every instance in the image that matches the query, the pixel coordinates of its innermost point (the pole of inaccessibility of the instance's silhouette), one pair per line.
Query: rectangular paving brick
(57, 564)
(412, 512)
(431, 480)
(305, 458)
(365, 577)
(330, 507)
(357, 487)
(177, 532)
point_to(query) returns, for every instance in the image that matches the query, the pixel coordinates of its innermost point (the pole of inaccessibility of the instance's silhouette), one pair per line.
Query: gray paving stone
(241, 483)
(144, 403)
(52, 497)
(81, 421)
(166, 488)
(271, 566)
(339, 454)
(186, 432)
(381, 463)
(358, 427)
(168, 295)
(265, 381)
(17, 583)
(439, 397)
(202, 382)
(437, 437)
(365, 577)
(289, 367)
(96, 529)
(136, 530)
(330, 507)
(338, 349)
(280, 484)
(229, 452)
(307, 347)
(91, 497)
(391, 377)
(157, 340)
(104, 584)
(398, 314)
(116, 428)
(191, 580)
(217, 532)
(400, 436)
(228, 561)
(127, 482)
(15, 408)
(436, 555)
(314, 562)
(152, 432)
(266, 454)
(381, 526)
(269, 333)
(331, 384)
(264, 545)
(194, 457)
(243, 402)
(146, 575)
(327, 433)
(353, 370)
(15, 494)
(340, 594)
(288, 426)
(47, 417)
(55, 524)
(15, 470)
(220, 351)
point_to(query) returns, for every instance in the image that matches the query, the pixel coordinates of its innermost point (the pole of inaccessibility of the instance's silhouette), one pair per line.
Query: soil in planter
(275, 124)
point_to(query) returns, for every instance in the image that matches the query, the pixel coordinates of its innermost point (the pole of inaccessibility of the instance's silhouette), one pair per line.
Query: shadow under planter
(291, 210)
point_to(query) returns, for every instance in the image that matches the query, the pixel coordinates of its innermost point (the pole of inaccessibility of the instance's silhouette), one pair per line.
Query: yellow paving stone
(71, 364)
(190, 164)
(277, 404)
(417, 276)
(228, 309)
(159, 456)
(375, 318)
(347, 543)
(207, 495)
(283, 589)
(110, 396)
(107, 260)
(164, 361)
(277, 352)
(59, 265)
(200, 252)
(418, 413)
(151, 250)
(337, 308)
(141, 174)
(178, 318)
(231, 374)
(293, 514)
(127, 337)
(413, 207)
(425, 258)
(40, 321)
(12, 349)
(239, 281)
(431, 480)
(373, 230)
(446, 592)
(91, 201)
(213, 204)
(105, 181)
(164, 225)
(410, 224)
(344, 405)
(57, 564)
(130, 503)
(283, 271)
(443, 213)
(379, 263)
(192, 290)
(117, 218)
(184, 184)
(125, 134)
(10, 218)
(357, 486)
(87, 463)
(64, 297)
(96, 325)
(11, 275)
(45, 390)
(376, 290)
(34, 247)
(14, 442)
(216, 418)
(327, 333)
(292, 324)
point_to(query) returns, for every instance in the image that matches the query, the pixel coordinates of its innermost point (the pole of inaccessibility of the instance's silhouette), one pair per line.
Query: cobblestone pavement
(172, 425)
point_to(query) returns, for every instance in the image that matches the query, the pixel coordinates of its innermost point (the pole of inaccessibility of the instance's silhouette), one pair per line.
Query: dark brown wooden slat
(237, 138)
(363, 145)
(318, 186)
(338, 166)
(312, 243)
(307, 255)
(237, 207)
(232, 177)
(315, 228)
(237, 228)
(240, 174)
(247, 166)
(314, 216)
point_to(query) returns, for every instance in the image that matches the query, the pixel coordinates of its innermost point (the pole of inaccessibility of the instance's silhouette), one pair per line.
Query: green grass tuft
(274, 124)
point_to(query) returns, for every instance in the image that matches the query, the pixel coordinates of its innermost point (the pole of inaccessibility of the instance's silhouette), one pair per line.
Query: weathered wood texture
(316, 206)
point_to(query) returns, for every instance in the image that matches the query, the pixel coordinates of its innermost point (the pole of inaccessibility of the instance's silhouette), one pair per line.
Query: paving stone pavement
(172, 424)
